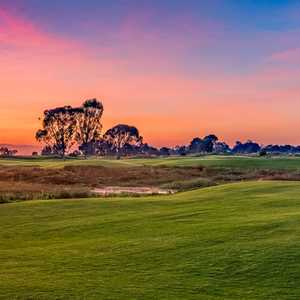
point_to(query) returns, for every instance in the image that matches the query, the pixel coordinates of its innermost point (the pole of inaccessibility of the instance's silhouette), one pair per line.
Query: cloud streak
(16, 31)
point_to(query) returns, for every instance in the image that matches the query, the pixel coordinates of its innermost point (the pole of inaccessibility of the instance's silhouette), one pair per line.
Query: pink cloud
(16, 31)
(154, 45)
(291, 56)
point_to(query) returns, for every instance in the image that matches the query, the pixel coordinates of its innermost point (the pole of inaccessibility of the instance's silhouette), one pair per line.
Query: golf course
(149, 150)
(230, 241)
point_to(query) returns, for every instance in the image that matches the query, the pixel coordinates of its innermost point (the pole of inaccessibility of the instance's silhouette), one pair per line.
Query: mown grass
(215, 161)
(235, 241)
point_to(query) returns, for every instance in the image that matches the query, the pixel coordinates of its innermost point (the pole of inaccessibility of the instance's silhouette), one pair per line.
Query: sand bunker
(117, 190)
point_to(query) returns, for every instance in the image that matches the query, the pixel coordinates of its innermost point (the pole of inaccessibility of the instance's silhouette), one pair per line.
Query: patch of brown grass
(18, 191)
(97, 176)
(22, 183)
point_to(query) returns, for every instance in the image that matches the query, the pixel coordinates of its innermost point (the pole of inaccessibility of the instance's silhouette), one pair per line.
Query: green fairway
(235, 241)
(218, 161)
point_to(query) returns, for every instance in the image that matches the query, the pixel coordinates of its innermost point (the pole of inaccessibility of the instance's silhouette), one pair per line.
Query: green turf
(236, 241)
(283, 162)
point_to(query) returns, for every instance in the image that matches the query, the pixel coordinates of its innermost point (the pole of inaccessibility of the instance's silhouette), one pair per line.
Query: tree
(209, 142)
(221, 147)
(263, 152)
(47, 151)
(146, 149)
(75, 153)
(122, 134)
(164, 151)
(181, 150)
(196, 145)
(59, 129)
(89, 123)
(4, 151)
(246, 148)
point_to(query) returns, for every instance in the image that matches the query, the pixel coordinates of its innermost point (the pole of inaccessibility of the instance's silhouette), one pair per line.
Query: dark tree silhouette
(164, 151)
(146, 149)
(205, 145)
(221, 148)
(89, 124)
(5, 152)
(278, 149)
(47, 150)
(122, 134)
(59, 129)
(246, 148)
(196, 145)
(209, 142)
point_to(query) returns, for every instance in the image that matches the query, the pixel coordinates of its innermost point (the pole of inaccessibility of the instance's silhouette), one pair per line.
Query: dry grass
(24, 183)
(27, 183)
(94, 176)
(18, 191)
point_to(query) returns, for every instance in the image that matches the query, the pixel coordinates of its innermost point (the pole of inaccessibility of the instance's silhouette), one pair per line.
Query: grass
(77, 181)
(21, 191)
(190, 184)
(234, 241)
(215, 161)
(27, 183)
(20, 177)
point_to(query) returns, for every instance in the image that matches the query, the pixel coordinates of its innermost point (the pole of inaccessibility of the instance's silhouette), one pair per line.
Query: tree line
(67, 126)
(63, 127)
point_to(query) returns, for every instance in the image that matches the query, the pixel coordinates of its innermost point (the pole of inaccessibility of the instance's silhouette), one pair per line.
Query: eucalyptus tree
(122, 134)
(89, 124)
(59, 126)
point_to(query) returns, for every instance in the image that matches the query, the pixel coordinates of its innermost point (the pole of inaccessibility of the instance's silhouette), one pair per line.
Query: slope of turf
(218, 161)
(236, 241)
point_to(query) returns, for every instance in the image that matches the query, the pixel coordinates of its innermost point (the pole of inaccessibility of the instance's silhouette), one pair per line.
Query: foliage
(65, 126)
(246, 148)
(89, 124)
(122, 134)
(282, 149)
(206, 145)
(47, 151)
(59, 129)
(6, 152)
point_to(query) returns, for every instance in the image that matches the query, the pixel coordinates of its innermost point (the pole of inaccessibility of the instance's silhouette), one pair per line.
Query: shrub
(188, 184)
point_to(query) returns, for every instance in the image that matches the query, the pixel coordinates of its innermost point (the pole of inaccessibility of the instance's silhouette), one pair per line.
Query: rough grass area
(76, 181)
(188, 184)
(20, 191)
(235, 241)
(26, 183)
(98, 176)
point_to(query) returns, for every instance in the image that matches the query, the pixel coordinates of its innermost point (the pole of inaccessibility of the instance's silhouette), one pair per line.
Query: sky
(176, 69)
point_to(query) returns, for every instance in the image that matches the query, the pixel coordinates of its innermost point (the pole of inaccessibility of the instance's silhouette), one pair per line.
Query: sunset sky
(174, 68)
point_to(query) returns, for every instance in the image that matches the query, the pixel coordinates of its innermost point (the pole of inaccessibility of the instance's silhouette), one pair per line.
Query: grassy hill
(235, 241)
